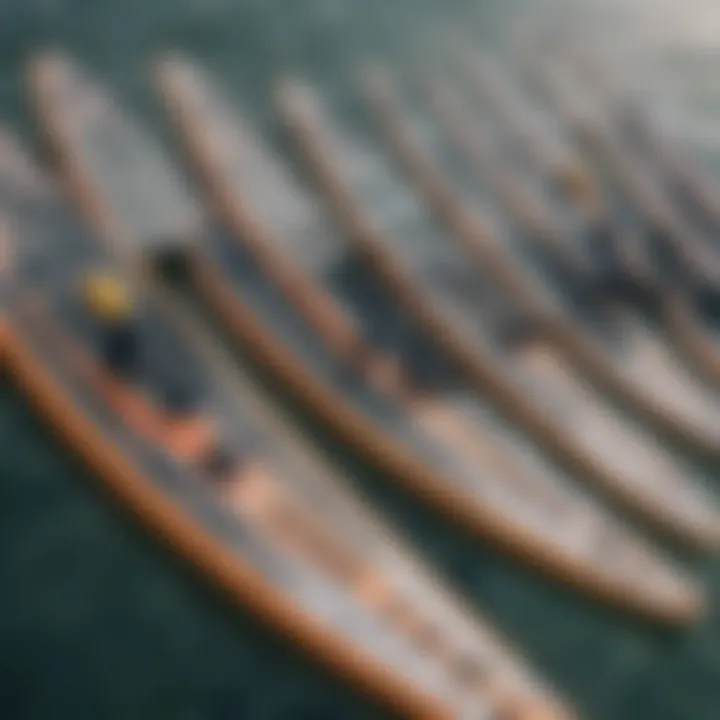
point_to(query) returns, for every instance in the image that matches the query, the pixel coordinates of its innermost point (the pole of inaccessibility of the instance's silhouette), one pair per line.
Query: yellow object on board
(107, 296)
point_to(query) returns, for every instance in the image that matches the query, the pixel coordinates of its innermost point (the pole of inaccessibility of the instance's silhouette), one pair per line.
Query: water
(95, 620)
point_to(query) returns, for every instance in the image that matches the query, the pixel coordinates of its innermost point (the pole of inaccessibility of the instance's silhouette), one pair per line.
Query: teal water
(95, 620)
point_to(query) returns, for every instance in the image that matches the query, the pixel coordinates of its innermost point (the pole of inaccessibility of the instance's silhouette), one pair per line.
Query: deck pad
(638, 460)
(645, 358)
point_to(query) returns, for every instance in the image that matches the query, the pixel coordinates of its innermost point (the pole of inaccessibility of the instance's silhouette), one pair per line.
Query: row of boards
(385, 308)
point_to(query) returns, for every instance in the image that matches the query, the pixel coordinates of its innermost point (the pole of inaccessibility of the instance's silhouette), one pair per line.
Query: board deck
(501, 492)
